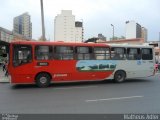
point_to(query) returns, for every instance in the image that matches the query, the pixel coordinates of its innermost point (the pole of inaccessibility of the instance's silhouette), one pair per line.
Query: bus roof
(79, 44)
(58, 43)
(130, 45)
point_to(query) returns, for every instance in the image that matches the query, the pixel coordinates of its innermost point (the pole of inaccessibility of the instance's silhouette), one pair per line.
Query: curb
(4, 80)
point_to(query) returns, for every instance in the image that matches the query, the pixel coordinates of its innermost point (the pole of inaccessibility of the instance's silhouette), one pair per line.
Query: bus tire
(119, 76)
(43, 80)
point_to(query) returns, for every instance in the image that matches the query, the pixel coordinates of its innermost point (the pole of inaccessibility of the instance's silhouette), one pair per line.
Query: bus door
(148, 61)
(22, 67)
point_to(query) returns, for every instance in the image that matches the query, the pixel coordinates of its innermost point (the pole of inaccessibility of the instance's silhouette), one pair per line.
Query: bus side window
(147, 54)
(83, 53)
(43, 52)
(101, 53)
(133, 53)
(118, 53)
(63, 53)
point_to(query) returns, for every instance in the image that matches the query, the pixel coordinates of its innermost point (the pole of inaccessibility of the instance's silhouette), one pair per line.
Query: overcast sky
(97, 15)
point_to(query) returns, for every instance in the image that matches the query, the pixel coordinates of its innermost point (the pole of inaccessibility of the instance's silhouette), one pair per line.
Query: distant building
(22, 25)
(92, 40)
(66, 29)
(6, 35)
(135, 41)
(101, 37)
(133, 30)
(144, 33)
(9, 36)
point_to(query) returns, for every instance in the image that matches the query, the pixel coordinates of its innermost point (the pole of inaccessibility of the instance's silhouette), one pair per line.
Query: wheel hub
(43, 80)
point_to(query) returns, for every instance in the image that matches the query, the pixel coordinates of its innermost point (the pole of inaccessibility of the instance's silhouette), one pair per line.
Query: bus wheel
(119, 76)
(43, 80)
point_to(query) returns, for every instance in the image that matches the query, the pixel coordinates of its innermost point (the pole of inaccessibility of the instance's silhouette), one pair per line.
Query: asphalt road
(132, 96)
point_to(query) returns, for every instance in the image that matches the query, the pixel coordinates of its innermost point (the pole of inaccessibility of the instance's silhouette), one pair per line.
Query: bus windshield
(22, 54)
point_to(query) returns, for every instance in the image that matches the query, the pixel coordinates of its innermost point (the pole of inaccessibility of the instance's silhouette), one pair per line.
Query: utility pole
(42, 18)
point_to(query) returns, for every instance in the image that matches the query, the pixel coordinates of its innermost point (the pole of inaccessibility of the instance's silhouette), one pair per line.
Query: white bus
(132, 61)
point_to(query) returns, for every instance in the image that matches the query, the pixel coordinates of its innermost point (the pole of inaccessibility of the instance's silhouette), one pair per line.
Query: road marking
(120, 98)
(76, 87)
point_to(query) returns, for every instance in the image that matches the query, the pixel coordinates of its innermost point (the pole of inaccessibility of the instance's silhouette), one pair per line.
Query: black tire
(119, 76)
(43, 80)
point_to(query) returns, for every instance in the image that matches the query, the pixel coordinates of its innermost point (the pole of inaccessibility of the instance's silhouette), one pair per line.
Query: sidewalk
(3, 78)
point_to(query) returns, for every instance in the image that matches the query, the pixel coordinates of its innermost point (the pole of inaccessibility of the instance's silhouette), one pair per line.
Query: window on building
(101, 53)
(63, 53)
(118, 53)
(133, 53)
(147, 54)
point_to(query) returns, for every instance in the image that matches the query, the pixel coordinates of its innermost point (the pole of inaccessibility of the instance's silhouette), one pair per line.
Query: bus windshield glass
(22, 54)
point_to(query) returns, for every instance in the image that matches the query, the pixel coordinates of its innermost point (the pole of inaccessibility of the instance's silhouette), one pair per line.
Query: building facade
(101, 37)
(134, 41)
(9, 36)
(6, 35)
(133, 30)
(78, 31)
(144, 34)
(22, 25)
(66, 29)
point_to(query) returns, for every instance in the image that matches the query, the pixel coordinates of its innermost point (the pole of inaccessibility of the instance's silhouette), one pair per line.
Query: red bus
(42, 63)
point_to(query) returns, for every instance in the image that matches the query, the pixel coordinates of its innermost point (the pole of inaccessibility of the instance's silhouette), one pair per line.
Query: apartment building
(66, 28)
(133, 30)
(22, 25)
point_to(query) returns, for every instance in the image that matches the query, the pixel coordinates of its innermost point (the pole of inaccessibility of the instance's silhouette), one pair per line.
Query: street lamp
(113, 31)
(42, 17)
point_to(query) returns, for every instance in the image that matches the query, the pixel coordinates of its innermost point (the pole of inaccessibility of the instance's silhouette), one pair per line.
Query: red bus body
(59, 70)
